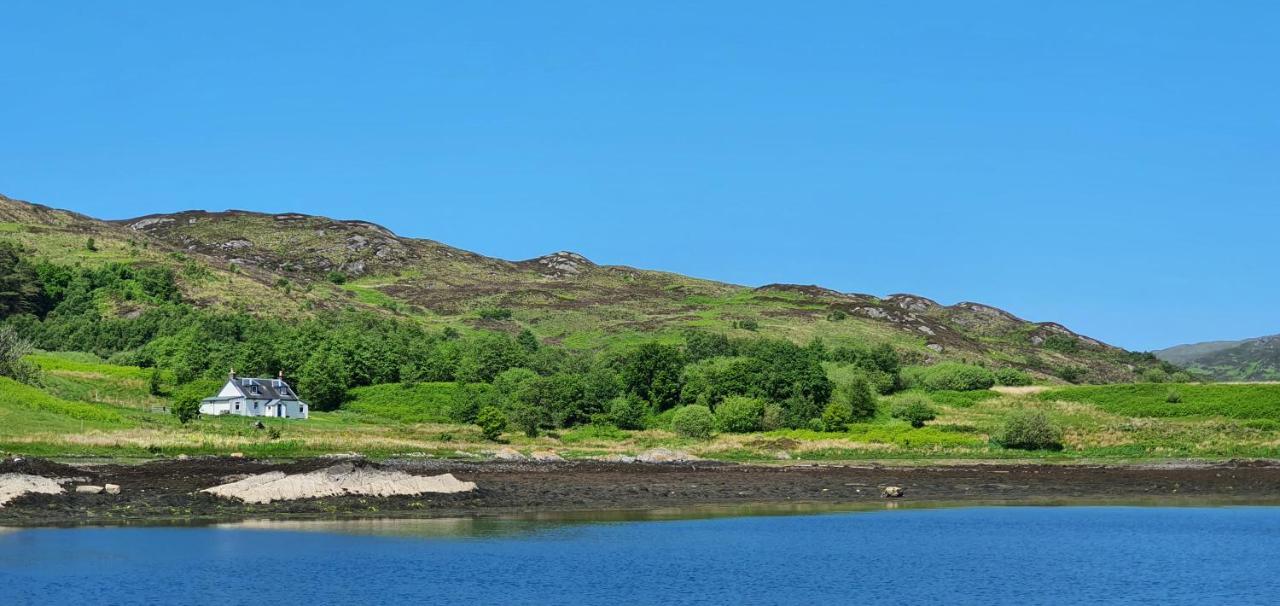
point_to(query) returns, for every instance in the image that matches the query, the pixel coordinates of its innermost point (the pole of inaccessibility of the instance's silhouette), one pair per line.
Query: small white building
(250, 397)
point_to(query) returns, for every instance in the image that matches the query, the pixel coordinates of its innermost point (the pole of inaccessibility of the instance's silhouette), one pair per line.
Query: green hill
(1248, 360)
(293, 265)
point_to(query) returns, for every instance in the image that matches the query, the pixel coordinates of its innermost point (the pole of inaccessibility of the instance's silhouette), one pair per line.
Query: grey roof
(264, 389)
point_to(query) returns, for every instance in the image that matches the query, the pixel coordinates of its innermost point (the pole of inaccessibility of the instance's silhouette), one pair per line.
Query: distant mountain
(1255, 359)
(293, 264)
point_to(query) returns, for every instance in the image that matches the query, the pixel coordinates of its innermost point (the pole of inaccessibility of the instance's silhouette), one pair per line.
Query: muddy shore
(168, 490)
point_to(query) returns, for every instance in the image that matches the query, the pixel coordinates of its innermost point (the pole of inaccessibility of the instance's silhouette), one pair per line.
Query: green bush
(774, 417)
(915, 409)
(836, 416)
(492, 422)
(856, 397)
(1012, 377)
(628, 412)
(1071, 374)
(494, 313)
(1180, 377)
(1029, 430)
(692, 421)
(336, 277)
(954, 376)
(1173, 397)
(739, 414)
(186, 403)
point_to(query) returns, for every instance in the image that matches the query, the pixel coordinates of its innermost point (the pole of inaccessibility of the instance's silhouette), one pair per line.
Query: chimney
(233, 374)
(280, 378)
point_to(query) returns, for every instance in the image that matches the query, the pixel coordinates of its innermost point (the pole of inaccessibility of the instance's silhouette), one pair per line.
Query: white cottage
(250, 397)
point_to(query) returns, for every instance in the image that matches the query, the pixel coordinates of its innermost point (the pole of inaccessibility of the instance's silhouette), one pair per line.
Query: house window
(237, 406)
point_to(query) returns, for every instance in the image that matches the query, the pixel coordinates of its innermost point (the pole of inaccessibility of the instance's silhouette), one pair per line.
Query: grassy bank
(89, 408)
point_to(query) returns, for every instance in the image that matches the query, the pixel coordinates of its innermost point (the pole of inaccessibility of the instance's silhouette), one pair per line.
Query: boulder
(892, 492)
(86, 489)
(111, 488)
(546, 456)
(237, 455)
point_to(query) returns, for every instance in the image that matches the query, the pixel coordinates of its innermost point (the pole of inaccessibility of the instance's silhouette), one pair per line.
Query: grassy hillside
(1114, 422)
(296, 266)
(1247, 360)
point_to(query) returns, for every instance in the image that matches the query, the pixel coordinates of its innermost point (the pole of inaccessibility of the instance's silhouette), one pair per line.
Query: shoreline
(166, 491)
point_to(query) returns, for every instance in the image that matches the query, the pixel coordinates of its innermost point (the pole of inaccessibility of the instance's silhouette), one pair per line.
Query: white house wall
(228, 391)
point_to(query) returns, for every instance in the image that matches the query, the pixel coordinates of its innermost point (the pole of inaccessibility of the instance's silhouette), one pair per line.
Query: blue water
(1032, 555)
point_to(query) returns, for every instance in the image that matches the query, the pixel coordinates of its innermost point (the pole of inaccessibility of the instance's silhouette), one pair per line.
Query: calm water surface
(995, 555)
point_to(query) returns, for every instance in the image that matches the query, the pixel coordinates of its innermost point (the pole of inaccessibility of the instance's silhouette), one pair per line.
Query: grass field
(90, 408)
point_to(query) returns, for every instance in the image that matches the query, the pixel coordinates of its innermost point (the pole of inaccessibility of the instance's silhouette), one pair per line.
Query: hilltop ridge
(294, 264)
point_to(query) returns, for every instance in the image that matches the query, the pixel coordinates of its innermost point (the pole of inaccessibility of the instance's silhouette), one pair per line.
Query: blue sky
(1112, 166)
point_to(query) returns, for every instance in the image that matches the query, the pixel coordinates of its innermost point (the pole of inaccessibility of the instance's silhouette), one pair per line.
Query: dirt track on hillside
(168, 490)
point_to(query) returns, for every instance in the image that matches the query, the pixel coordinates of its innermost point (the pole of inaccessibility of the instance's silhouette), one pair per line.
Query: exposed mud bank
(171, 490)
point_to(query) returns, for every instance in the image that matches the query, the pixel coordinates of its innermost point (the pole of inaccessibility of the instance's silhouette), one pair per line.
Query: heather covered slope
(293, 265)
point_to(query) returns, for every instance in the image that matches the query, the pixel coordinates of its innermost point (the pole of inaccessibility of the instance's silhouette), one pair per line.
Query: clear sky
(1114, 166)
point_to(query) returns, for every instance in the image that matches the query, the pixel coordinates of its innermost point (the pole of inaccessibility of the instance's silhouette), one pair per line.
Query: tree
(857, 397)
(527, 341)
(628, 412)
(324, 378)
(90, 245)
(13, 349)
(21, 289)
(153, 383)
(487, 354)
(186, 401)
(652, 371)
(492, 422)
(836, 416)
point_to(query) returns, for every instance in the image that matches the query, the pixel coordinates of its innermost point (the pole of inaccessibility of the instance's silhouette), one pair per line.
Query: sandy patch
(340, 479)
(1017, 390)
(14, 485)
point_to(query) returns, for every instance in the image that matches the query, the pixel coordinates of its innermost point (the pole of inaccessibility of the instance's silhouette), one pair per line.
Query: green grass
(418, 403)
(85, 377)
(1148, 400)
(24, 407)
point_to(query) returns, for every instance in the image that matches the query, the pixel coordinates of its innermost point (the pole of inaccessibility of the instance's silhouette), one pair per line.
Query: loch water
(972, 555)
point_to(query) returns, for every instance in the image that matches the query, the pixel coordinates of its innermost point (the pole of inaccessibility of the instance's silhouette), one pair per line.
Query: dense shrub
(1071, 374)
(186, 400)
(336, 277)
(628, 412)
(692, 421)
(740, 414)
(836, 416)
(915, 409)
(774, 417)
(1012, 377)
(1173, 397)
(953, 376)
(492, 422)
(1180, 377)
(494, 313)
(1029, 430)
(856, 397)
